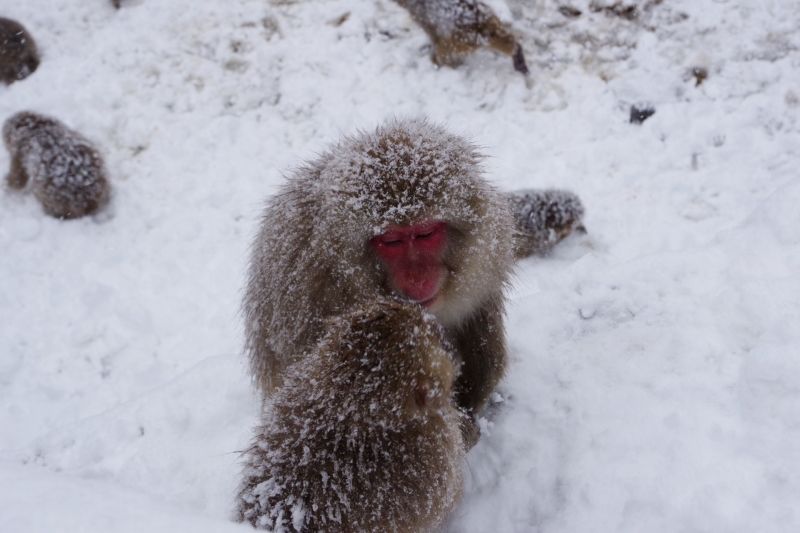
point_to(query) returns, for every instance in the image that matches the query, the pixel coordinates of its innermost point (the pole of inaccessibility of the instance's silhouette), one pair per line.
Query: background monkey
(400, 211)
(64, 170)
(363, 435)
(459, 27)
(543, 218)
(19, 56)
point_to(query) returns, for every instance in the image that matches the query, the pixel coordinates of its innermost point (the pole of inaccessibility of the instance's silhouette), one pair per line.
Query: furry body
(363, 435)
(311, 259)
(64, 170)
(459, 27)
(544, 218)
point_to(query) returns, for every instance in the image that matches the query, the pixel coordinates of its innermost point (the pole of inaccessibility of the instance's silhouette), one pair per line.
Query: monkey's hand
(544, 217)
(519, 60)
(470, 430)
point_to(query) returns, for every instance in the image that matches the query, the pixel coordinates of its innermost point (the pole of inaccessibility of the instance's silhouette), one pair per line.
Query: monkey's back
(380, 481)
(339, 450)
(544, 218)
(458, 27)
(461, 20)
(65, 172)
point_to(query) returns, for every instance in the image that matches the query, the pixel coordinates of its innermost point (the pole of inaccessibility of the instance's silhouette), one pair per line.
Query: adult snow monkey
(363, 434)
(459, 27)
(19, 56)
(64, 170)
(401, 211)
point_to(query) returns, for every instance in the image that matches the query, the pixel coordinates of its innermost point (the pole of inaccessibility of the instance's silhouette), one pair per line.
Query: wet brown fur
(543, 218)
(474, 26)
(301, 275)
(64, 170)
(363, 435)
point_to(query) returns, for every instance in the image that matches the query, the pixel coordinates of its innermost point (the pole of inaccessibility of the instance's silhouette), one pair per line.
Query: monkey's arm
(542, 218)
(17, 178)
(481, 344)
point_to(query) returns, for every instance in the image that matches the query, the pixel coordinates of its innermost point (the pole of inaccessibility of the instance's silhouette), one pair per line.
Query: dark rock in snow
(640, 113)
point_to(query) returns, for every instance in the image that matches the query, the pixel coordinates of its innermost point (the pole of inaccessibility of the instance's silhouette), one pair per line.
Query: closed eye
(431, 231)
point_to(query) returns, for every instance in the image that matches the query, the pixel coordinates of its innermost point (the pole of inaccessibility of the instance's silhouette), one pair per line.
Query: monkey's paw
(470, 430)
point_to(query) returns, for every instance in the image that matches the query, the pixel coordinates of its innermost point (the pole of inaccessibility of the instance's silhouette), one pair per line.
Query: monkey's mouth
(421, 284)
(427, 304)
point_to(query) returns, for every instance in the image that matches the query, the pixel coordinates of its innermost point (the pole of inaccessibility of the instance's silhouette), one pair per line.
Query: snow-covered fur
(311, 258)
(363, 435)
(65, 172)
(458, 27)
(19, 56)
(543, 218)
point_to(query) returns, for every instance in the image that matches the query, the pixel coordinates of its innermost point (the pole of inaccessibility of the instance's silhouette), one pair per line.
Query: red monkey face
(413, 257)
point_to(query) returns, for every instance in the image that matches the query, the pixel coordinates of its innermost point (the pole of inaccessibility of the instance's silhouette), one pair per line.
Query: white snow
(655, 375)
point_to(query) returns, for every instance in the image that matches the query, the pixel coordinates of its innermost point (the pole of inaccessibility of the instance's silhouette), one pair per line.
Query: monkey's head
(399, 212)
(390, 356)
(17, 49)
(409, 201)
(21, 125)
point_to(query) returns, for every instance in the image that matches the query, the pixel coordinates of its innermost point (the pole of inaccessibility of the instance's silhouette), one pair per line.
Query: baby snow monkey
(543, 218)
(459, 27)
(65, 172)
(363, 435)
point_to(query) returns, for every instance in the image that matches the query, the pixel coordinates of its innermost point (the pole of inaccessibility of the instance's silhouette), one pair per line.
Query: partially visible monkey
(458, 27)
(65, 172)
(401, 211)
(544, 218)
(363, 434)
(19, 56)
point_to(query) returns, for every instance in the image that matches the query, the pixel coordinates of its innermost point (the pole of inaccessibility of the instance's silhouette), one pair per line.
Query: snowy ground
(655, 380)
